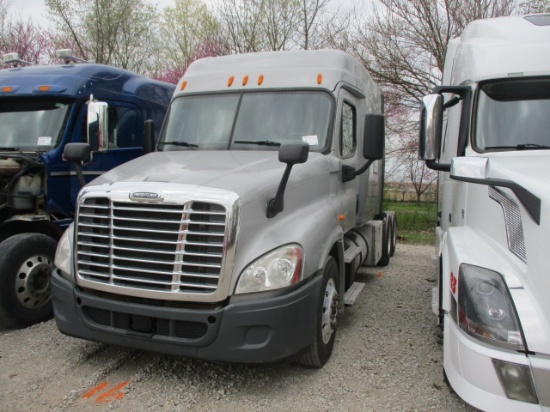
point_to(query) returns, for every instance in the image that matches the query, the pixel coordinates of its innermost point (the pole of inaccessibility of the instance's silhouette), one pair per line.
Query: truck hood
(252, 175)
(531, 170)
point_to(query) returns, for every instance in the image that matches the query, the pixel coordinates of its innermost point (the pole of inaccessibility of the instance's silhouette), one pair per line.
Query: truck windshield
(31, 124)
(513, 115)
(247, 121)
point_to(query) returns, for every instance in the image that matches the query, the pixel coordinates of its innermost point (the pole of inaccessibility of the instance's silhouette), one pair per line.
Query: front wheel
(326, 320)
(26, 262)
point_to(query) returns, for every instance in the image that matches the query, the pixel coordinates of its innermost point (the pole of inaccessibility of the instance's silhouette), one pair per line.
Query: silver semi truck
(237, 239)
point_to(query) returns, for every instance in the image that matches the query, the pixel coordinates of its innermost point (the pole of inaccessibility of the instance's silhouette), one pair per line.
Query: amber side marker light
(7, 89)
(319, 78)
(260, 79)
(43, 88)
(230, 81)
(245, 80)
(341, 218)
(183, 84)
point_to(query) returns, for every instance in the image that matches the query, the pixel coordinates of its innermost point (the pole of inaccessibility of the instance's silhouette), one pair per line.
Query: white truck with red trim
(487, 131)
(238, 237)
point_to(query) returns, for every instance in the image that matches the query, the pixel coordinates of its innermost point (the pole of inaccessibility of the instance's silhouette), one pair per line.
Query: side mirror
(78, 153)
(98, 125)
(374, 140)
(148, 136)
(431, 122)
(291, 154)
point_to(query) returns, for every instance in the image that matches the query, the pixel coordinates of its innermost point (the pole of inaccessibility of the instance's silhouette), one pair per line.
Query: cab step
(353, 293)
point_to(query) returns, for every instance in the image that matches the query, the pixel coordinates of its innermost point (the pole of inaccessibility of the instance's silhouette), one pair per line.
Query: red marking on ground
(110, 395)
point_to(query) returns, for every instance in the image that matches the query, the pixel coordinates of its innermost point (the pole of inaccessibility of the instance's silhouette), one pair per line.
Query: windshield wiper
(523, 146)
(183, 144)
(259, 142)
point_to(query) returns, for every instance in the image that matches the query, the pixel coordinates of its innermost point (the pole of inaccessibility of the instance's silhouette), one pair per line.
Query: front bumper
(471, 372)
(247, 329)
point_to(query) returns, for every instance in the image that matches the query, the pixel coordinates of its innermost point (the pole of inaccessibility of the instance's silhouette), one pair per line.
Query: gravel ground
(386, 358)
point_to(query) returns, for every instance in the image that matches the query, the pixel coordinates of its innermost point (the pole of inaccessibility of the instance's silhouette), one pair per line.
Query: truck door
(346, 132)
(125, 142)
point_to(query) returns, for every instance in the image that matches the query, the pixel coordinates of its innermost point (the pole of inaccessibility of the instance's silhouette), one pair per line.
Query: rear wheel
(326, 320)
(393, 234)
(26, 262)
(386, 242)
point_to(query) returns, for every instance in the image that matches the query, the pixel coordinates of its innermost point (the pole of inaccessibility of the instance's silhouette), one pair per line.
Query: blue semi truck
(42, 108)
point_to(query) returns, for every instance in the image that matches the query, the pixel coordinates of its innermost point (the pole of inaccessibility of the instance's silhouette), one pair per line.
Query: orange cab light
(245, 80)
(44, 88)
(230, 81)
(341, 218)
(260, 79)
(7, 89)
(319, 78)
(183, 84)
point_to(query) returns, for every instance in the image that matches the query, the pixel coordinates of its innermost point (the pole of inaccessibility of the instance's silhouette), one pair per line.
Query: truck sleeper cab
(486, 130)
(237, 238)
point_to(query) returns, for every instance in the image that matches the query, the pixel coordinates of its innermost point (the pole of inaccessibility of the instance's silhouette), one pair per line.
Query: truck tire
(386, 242)
(326, 320)
(393, 234)
(26, 262)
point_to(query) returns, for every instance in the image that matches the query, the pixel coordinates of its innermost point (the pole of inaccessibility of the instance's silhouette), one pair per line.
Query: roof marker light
(43, 88)
(260, 79)
(319, 78)
(7, 89)
(183, 84)
(230, 81)
(245, 80)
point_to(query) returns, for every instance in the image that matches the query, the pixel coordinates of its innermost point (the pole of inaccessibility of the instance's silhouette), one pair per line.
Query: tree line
(401, 42)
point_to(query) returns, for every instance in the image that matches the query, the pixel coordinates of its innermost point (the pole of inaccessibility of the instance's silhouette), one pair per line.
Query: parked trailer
(42, 109)
(486, 130)
(237, 238)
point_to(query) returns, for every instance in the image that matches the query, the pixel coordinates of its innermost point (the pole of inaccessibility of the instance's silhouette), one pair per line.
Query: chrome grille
(173, 248)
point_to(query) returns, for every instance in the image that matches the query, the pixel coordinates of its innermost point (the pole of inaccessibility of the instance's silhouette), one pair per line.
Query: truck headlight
(63, 253)
(276, 269)
(485, 309)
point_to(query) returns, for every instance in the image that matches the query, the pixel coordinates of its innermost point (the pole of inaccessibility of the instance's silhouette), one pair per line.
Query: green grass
(415, 222)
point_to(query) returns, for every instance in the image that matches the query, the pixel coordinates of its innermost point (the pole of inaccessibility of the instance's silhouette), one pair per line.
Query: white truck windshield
(31, 124)
(247, 121)
(513, 115)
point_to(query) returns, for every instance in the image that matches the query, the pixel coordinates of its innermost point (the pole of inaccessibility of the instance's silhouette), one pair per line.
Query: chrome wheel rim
(32, 282)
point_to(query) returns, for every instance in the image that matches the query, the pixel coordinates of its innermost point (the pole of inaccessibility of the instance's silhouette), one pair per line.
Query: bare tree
(403, 42)
(260, 25)
(117, 32)
(534, 6)
(188, 30)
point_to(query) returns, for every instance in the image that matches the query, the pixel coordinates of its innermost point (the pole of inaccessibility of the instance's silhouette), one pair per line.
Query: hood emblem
(146, 197)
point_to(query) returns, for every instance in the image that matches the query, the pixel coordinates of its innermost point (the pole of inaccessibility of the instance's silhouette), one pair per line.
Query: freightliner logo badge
(146, 196)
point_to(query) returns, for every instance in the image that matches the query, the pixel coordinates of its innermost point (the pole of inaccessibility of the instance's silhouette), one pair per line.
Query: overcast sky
(37, 11)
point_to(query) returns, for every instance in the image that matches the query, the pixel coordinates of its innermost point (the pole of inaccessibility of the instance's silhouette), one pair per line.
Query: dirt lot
(386, 359)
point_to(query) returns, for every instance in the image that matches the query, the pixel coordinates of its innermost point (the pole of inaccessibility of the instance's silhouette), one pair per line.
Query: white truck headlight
(277, 269)
(485, 309)
(63, 254)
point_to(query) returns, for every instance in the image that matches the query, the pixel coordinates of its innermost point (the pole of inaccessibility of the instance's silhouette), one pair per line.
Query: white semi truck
(236, 239)
(487, 131)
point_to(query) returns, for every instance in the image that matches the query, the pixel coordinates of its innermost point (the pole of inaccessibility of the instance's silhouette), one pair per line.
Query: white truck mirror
(431, 120)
